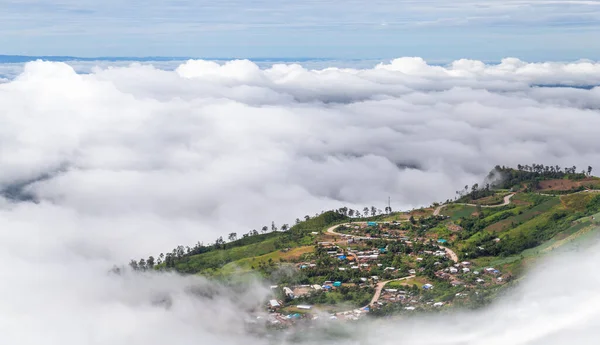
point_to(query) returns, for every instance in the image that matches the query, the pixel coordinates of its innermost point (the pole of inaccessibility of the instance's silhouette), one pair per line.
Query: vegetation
(476, 227)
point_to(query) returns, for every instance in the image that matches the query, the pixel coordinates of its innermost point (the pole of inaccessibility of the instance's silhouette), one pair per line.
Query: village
(369, 268)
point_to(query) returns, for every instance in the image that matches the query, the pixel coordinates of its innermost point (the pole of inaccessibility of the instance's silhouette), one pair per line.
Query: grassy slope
(527, 214)
(246, 264)
(266, 246)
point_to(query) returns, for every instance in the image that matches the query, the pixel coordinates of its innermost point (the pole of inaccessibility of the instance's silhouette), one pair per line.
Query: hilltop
(461, 253)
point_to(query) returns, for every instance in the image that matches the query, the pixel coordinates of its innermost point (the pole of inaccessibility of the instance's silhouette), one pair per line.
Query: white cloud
(141, 159)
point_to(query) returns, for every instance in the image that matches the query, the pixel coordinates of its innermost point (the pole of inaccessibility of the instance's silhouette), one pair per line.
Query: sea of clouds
(131, 160)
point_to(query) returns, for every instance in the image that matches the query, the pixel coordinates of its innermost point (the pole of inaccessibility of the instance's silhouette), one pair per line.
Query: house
(453, 270)
(466, 270)
(303, 306)
(442, 241)
(371, 223)
(288, 292)
(412, 271)
(342, 268)
(409, 308)
(337, 284)
(317, 287)
(479, 280)
(438, 304)
(354, 267)
(375, 277)
(465, 263)
(389, 269)
(427, 287)
(273, 304)
(419, 259)
(363, 279)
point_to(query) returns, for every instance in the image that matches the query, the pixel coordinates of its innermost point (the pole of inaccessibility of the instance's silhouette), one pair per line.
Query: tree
(297, 220)
(589, 171)
(232, 236)
(150, 262)
(273, 226)
(351, 212)
(412, 219)
(366, 211)
(284, 227)
(254, 232)
(265, 229)
(142, 264)
(373, 211)
(134, 265)
(307, 217)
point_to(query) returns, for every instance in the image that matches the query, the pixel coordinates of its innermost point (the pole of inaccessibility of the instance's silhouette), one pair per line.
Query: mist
(128, 161)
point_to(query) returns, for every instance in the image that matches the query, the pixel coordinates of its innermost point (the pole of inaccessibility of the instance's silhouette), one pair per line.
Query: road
(331, 230)
(506, 201)
(381, 285)
(378, 288)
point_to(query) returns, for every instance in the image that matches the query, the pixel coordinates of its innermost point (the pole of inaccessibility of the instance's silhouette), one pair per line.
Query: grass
(495, 199)
(419, 281)
(456, 212)
(246, 264)
(577, 202)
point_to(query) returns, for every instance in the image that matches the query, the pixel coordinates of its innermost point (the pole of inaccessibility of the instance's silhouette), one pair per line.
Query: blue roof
(441, 240)
(342, 257)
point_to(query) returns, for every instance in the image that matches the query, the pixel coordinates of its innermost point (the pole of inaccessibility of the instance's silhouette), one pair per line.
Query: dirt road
(506, 201)
(381, 285)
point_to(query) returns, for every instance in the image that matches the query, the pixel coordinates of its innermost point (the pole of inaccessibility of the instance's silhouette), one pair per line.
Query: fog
(131, 160)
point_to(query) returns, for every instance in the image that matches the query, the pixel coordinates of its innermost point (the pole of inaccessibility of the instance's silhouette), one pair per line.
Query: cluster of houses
(453, 272)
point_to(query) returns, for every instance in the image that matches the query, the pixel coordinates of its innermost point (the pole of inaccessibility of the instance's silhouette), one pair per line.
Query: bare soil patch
(565, 185)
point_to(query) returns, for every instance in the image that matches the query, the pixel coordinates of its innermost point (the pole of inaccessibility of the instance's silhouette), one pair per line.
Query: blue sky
(433, 29)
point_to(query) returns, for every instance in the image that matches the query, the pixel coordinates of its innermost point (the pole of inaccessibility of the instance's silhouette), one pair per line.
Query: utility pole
(389, 204)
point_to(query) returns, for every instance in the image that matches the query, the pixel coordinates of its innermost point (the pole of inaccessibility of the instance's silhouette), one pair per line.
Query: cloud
(131, 160)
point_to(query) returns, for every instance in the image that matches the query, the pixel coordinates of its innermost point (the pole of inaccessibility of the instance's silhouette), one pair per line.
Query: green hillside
(490, 236)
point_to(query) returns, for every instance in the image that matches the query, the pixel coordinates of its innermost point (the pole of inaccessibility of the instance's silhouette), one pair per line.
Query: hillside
(459, 254)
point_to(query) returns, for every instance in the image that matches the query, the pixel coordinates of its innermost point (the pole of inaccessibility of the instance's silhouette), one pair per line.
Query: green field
(456, 212)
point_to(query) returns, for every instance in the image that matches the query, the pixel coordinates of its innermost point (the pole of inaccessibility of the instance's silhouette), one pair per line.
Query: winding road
(506, 201)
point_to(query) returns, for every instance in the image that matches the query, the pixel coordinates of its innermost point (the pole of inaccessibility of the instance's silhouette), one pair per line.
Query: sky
(437, 30)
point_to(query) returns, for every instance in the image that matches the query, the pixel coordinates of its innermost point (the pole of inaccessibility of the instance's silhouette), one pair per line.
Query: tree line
(511, 177)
